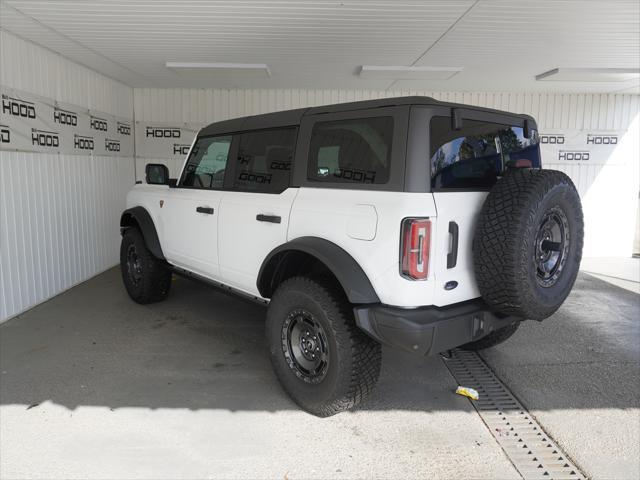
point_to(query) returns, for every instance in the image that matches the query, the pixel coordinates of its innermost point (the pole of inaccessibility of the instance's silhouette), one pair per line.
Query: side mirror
(157, 174)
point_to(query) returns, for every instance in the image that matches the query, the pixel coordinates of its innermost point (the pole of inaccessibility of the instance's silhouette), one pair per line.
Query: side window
(207, 163)
(476, 155)
(351, 151)
(264, 160)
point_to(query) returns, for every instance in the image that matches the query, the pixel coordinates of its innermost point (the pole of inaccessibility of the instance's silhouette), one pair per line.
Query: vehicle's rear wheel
(494, 338)
(528, 243)
(146, 278)
(323, 361)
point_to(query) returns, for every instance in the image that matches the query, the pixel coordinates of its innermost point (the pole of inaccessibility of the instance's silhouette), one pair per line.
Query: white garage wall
(59, 214)
(609, 188)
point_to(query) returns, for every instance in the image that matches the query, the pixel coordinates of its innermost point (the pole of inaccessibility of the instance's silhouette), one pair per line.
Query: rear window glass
(476, 155)
(351, 151)
(264, 160)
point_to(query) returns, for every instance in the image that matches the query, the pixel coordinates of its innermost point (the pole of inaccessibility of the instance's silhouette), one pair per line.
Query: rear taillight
(414, 248)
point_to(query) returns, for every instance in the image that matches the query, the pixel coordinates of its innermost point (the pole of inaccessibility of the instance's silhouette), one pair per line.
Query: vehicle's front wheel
(323, 361)
(146, 278)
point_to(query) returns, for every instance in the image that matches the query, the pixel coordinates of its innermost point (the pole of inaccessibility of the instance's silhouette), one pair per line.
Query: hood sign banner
(31, 123)
(156, 140)
(567, 147)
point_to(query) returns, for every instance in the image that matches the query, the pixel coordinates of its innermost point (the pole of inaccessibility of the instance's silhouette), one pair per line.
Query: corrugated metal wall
(59, 214)
(609, 190)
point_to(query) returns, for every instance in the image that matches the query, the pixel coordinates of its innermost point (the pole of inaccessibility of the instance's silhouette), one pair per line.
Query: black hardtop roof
(294, 117)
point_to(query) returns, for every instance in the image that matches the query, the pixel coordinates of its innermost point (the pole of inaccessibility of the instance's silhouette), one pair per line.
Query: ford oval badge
(450, 285)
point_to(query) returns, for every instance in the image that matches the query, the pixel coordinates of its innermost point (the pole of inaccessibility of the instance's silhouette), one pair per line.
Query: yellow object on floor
(467, 392)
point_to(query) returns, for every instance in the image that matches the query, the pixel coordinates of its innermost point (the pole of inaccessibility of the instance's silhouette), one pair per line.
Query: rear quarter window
(474, 156)
(351, 151)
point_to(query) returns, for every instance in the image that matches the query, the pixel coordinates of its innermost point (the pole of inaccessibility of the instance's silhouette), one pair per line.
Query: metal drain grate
(534, 454)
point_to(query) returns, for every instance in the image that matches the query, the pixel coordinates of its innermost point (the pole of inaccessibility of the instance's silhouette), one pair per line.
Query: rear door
(465, 164)
(254, 213)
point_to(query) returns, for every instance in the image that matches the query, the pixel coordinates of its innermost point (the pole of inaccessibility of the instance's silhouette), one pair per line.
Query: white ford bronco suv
(407, 221)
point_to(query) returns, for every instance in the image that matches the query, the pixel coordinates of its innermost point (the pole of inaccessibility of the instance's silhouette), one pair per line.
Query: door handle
(452, 256)
(268, 218)
(207, 210)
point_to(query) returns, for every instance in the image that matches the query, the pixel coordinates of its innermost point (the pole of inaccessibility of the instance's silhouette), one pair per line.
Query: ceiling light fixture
(253, 69)
(589, 75)
(408, 73)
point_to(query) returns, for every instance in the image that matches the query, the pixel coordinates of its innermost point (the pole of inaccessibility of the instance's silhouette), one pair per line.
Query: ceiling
(500, 45)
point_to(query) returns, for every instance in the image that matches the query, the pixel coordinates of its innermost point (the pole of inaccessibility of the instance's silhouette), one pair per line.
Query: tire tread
(503, 234)
(364, 357)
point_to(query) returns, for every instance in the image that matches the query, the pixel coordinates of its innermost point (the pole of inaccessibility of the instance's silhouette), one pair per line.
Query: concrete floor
(620, 271)
(578, 373)
(95, 386)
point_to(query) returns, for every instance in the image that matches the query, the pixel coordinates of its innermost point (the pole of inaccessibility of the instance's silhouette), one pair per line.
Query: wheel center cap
(545, 235)
(308, 345)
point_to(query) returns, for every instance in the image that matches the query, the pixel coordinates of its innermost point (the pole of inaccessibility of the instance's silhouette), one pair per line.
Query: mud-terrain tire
(494, 338)
(528, 243)
(313, 317)
(146, 278)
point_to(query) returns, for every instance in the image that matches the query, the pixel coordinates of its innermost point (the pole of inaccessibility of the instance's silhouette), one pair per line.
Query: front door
(190, 212)
(254, 213)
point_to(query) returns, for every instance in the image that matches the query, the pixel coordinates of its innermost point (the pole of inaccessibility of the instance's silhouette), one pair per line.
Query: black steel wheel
(134, 265)
(305, 346)
(551, 246)
(146, 278)
(321, 358)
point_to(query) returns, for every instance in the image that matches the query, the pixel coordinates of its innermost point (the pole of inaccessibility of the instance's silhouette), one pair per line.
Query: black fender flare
(140, 216)
(349, 273)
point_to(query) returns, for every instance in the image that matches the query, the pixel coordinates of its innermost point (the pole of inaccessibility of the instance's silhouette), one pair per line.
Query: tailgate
(452, 252)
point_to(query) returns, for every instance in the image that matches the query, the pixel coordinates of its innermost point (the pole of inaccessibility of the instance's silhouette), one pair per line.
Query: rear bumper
(429, 330)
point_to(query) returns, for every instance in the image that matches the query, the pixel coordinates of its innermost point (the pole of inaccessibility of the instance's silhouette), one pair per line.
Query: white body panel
(332, 213)
(244, 242)
(189, 238)
(149, 196)
(369, 232)
(463, 209)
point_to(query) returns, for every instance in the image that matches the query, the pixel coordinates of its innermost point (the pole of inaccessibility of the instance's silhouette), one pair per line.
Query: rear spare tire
(528, 243)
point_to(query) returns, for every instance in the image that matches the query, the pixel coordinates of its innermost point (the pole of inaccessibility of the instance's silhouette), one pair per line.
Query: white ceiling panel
(501, 45)
(505, 43)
